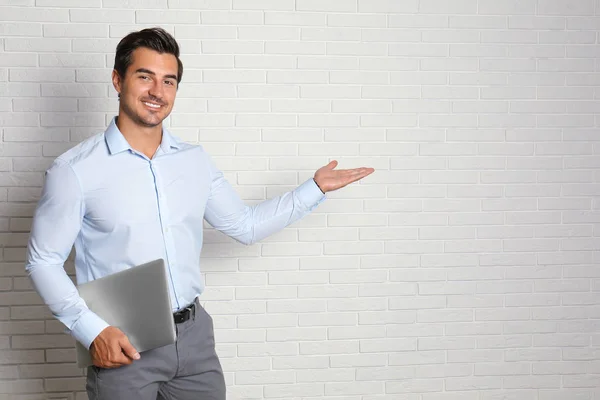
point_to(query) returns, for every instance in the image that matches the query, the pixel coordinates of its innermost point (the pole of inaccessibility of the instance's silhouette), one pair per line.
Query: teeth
(152, 105)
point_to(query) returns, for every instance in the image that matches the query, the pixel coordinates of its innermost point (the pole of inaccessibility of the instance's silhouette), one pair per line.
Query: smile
(152, 105)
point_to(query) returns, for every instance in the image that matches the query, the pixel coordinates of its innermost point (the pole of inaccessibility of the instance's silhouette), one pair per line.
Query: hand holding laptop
(112, 349)
(135, 303)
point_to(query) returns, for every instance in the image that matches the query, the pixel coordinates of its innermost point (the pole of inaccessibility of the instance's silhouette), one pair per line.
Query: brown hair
(152, 38)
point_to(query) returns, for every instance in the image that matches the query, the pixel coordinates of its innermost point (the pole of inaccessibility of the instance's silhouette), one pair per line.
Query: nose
(156, 90)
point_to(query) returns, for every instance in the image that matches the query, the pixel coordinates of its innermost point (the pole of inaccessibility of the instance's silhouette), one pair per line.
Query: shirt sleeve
(226, 212)
(56, 224)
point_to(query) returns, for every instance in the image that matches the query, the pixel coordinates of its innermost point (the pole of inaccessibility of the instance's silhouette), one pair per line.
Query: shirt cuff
(309, 194)
(87, 328)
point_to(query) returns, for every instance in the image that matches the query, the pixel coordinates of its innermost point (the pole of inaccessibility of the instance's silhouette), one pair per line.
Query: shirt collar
(117, 143)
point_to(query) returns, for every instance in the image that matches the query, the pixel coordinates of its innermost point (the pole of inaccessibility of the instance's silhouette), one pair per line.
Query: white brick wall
(465, 268)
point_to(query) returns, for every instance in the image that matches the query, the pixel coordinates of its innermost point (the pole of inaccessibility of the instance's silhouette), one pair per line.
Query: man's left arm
(226, 212)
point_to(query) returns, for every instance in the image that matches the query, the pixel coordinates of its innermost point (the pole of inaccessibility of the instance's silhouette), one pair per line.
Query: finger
(364, 171)
(128, 349)
(355, 177)
(358, 170)
(332, 164)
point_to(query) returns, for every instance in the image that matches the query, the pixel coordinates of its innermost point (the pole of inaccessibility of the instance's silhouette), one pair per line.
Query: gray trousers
(188, 369)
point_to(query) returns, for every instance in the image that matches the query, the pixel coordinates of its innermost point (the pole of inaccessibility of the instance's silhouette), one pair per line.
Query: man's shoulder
(82, 150)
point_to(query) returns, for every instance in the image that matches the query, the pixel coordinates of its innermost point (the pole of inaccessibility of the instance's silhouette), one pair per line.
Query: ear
(117, 81)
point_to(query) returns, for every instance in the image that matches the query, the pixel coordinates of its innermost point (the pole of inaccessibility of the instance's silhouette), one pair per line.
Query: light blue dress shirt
(121, 209)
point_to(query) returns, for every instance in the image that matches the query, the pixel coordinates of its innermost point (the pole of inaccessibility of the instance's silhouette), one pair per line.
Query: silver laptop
(137, 302)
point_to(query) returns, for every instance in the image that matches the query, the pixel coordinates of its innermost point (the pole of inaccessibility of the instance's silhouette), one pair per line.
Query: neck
(144, 139)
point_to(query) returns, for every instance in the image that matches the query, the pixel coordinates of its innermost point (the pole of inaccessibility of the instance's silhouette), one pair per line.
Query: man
(135, 193)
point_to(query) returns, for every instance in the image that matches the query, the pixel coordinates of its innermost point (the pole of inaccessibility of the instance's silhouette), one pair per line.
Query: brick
(267, 33)
(167, 17)
(69, 3)
(562, 37)
(324, 62)
(37, 45)
(232, 47)
(262, 5)
(334, 375)
(353, 49)
(73, 90)
(330, 6)
(22, 386)
(475, 356)
(71, 60)
(262, 62)
(449, 36)
(479, 50)
(566, 65)
(388, 64)
(106, 16)
(449, 64)
(21, 356)
(356, 20)
(75, 30)
(20, 29)
(354, 388)
(536, 22)
(510, 7)
(341, 304)
(362, 332)
(414, 386)
(329, 319)
(34, 14)
(296, 389)
(469, 78)
(391, 35)
(388, 92)
(199, 4)
(295, 18)
(477, 22)
(358, 360)
(554, 7)
(50, 371)
(264, 377)
(64, 384)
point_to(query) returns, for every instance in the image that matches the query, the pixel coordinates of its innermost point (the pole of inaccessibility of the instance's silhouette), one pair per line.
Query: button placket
(163, 211)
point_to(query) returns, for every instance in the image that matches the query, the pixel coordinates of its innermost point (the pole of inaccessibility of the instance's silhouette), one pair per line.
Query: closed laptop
(137, 302)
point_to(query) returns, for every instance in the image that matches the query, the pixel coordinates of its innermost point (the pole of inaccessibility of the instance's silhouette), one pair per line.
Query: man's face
(149, 87)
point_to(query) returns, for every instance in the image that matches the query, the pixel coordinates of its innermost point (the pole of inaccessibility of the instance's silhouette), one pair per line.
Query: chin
(151, 120)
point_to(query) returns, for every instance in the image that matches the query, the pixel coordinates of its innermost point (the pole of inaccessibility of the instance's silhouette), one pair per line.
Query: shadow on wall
(68, 99)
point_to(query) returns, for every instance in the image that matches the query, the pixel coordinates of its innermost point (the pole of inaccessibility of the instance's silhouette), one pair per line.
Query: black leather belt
(185, 313)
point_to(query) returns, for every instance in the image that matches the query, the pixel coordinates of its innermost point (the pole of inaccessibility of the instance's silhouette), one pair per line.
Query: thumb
(129, 350)
(332, 164)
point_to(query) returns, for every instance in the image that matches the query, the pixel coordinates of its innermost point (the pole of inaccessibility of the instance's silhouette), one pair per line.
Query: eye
(144, 77)
(171, 83)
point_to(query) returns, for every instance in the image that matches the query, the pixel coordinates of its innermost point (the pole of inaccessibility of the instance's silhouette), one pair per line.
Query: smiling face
(148, 89)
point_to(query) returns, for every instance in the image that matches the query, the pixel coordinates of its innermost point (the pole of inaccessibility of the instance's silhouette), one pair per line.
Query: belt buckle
(184, 314)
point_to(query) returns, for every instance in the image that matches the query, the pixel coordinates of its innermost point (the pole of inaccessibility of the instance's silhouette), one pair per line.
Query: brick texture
(466, 267)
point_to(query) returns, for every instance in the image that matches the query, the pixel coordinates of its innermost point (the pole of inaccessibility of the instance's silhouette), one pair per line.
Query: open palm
(330, 179)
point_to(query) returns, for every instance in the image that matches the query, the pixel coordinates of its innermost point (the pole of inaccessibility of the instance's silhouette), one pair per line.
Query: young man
(135, 193)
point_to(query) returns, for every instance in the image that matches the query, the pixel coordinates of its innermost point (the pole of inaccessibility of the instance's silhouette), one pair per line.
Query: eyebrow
(147, 71)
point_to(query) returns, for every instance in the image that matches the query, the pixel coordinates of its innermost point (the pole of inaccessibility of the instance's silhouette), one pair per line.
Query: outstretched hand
(329, 179)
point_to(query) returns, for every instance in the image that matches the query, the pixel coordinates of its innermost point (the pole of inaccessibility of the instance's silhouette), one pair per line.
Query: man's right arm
(56, 224)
